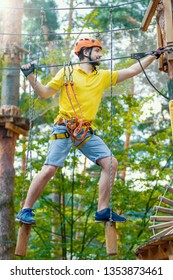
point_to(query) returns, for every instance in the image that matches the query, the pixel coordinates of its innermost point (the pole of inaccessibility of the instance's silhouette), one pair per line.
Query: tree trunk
(12, 21)
(7, 231)
(165, 22)
(12, 56)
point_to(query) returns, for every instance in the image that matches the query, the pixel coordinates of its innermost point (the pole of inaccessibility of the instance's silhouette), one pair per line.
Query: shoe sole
(20, 221)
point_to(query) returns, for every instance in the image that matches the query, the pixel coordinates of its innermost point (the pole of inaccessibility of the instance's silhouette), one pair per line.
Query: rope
(29, 147)
(78, 8)
(160, 202)
(66, 81)
(111, 118)
(31, 118)
(75, 33)
(76, 126)
(150, 81)
(70, 67)
(61, 65)
(72, 205)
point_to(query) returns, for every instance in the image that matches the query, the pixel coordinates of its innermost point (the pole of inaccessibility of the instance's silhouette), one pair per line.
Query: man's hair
(80, 53)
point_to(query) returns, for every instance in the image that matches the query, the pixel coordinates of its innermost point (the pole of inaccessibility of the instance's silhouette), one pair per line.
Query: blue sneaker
(25, 216)
(104, 216)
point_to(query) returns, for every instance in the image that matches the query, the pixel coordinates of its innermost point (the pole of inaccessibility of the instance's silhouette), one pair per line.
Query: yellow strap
(171, 114)
(83, 142)
(59, 136)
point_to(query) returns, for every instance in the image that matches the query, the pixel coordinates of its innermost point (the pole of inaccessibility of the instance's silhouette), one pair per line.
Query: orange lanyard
(75, 125)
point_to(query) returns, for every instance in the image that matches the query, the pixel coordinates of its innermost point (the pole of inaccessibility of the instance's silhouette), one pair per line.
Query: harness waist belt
(60, 136)
(66, 135)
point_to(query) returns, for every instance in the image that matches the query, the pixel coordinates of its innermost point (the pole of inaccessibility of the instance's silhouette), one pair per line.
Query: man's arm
(135, 69)
(41, 90)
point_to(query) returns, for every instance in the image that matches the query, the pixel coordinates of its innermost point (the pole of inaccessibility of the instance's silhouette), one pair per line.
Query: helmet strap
(93, 63)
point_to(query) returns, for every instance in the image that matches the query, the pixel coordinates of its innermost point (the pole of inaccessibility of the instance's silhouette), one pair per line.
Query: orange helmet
(86, 43)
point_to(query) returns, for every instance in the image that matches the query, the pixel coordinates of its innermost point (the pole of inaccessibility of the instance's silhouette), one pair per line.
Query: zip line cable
(41, 66)
(138, 28)
(61, 65)
(78, 8)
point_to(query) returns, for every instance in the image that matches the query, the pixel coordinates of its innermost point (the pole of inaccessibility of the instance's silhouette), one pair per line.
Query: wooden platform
(14, 124)
(156, 249)
(18, 121)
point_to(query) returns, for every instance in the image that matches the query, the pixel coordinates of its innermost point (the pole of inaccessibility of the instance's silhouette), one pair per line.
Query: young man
(88, 85)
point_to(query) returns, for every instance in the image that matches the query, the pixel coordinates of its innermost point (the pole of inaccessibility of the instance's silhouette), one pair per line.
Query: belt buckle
(66, 134)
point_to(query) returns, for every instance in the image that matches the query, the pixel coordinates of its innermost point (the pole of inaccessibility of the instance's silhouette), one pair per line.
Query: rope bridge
(160, 245)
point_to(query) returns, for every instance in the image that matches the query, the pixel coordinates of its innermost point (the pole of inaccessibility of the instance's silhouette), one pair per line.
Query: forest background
(133, 120)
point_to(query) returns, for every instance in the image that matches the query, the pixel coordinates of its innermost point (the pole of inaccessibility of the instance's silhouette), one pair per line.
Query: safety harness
(76, 127)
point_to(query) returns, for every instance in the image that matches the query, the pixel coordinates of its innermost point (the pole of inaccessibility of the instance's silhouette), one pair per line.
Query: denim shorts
(93, 149)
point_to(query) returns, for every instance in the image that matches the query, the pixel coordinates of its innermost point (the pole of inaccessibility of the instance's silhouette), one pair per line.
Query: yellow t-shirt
(89, 90)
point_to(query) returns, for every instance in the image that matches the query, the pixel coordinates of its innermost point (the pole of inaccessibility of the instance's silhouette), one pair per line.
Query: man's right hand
(27, 69)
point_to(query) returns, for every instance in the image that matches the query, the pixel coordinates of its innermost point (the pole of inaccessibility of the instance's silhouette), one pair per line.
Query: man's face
(96, 55)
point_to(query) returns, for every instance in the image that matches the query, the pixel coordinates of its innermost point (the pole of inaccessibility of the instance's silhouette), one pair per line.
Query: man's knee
(48, 171)
(108, 162)
(114, 163)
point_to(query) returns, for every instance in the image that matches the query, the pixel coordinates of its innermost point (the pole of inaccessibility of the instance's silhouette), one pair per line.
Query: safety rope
(70, 67)
(31, 116)
(76, 126)
(138, 56)
(111, 118)
(150, 81)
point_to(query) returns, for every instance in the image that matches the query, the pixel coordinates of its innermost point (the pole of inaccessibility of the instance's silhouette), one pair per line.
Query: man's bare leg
(38, 184)
(109, 168)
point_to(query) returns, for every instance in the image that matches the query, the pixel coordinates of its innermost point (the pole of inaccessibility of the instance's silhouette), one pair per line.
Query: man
(78, 105)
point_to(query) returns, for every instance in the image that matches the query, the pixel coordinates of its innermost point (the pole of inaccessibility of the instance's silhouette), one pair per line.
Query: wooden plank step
(16, 129)
(22, 240)
(160, 226)
(163, 210)
(111, 238)
(19, 121)
(169, 188)
(162, 233)
(166, 200)
(161, 218)
(155, 249)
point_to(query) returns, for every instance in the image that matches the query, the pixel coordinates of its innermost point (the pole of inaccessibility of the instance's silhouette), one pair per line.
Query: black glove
(26, 72)
(158, 52)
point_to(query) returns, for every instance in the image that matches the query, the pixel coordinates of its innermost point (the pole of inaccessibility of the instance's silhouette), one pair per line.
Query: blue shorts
(93, 149)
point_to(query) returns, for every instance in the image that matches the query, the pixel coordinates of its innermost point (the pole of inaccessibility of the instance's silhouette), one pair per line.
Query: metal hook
(65, 74)
(70, 69)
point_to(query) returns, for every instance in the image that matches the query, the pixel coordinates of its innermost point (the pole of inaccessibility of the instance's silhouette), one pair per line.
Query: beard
(95, 62)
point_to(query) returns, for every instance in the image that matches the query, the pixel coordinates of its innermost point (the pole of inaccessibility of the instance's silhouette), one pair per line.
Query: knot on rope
(76, 128)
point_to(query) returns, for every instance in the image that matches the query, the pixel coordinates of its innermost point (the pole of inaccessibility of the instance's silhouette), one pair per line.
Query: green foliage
(42, 13)
(123, 16)
(65, 226)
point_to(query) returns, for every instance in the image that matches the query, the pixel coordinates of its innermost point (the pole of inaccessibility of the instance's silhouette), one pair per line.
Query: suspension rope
(31, 117)
(150, 81)
(78, 8)
(111, 118)
(134, 28)
(61, 65)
